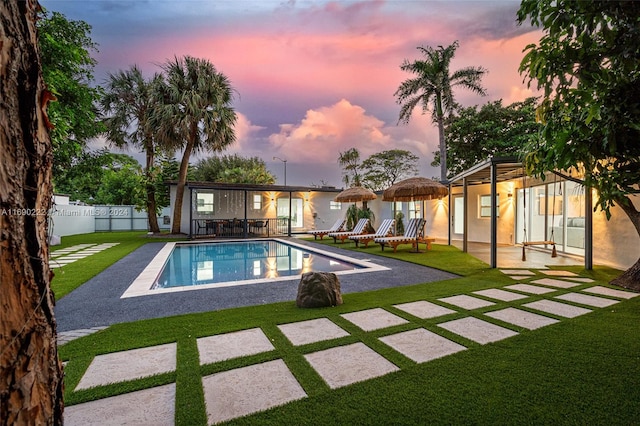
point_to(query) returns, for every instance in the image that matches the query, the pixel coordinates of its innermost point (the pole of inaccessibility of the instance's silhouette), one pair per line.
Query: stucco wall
(615, 242)
(479, 227)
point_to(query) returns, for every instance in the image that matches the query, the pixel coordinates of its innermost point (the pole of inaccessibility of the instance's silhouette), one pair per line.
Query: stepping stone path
(242, 391)
(59, 258)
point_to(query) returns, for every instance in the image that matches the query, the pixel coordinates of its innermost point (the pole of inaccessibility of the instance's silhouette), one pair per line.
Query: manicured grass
(578, 371)
(73, 275)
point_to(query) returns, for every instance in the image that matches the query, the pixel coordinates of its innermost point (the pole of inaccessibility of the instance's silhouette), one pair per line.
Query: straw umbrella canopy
(415, 189)
(355, 194)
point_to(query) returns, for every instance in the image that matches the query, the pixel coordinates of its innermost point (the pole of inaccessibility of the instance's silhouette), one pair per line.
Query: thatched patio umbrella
(415, 189)
(355, 194)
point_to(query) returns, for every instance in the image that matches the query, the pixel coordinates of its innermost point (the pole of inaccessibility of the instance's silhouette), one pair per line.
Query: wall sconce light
(509, 195)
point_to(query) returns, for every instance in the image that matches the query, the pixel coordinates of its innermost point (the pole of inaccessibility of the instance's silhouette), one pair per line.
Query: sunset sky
(314, 78)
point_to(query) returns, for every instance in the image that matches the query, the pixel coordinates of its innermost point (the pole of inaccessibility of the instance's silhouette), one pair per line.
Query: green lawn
(579, 371)
(75, 274)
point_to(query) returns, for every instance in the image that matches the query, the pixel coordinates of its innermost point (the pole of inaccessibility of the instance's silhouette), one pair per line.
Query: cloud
(246, 133)
(326, 131)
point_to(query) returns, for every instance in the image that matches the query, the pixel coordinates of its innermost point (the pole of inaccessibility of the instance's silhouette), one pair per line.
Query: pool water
(202, 264)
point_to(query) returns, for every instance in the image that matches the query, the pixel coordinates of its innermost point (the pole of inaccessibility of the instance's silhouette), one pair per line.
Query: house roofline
(255, 187)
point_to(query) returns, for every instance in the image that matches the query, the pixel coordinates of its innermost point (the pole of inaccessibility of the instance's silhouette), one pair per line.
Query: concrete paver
(345, 365)
(558, 273)
(374, 319)
(531, 289)
(517, 272)
(477, 330)
(423, 309)
(496, 293)
(129, 365)
(312, 331)
(466, 302)
(521, 318)
(221, 347)
(557, 308)
(247, 390)
(585, 299)
(422, 345)
(153, 406)
(555, 283)
(606, 291)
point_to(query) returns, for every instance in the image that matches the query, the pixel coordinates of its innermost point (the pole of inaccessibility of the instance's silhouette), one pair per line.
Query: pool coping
(143, 285)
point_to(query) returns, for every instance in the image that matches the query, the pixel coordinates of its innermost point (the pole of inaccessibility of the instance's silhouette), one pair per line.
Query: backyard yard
(576, 370)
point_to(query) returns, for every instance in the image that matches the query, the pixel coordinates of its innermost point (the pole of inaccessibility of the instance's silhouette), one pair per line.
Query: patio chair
(413, 235)
(322, 232)
(357, 230)
(384, 230)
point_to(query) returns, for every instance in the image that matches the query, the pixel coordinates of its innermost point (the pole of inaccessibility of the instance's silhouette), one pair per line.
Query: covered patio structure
(506, 174)
(224, 210)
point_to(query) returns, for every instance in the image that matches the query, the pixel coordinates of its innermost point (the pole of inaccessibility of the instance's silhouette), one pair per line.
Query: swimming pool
(192, 266)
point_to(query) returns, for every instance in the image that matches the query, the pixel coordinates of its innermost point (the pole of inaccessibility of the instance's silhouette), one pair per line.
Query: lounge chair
(384, 230)
(322, 232)
(413, 235)
(357, 230)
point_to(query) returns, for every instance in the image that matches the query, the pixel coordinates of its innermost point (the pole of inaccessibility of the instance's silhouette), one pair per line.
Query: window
(204, 202)
(485, 205)
(257, 201)
(335, 205)
(296, 210)
(414, 209)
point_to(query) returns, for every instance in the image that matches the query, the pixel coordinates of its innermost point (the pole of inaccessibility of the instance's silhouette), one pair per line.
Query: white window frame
(484, 205)
(257, 201)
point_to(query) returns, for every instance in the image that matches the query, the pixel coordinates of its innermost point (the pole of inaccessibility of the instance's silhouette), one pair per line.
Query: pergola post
(494, 218)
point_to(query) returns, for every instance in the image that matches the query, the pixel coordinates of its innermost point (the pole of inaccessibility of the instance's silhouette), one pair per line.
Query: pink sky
(314, 78)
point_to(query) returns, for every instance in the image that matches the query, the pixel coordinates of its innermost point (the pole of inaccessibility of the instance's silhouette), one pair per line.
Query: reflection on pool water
(202, 264)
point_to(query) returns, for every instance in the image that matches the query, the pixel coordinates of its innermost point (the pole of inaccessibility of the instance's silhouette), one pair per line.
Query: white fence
(72, 219)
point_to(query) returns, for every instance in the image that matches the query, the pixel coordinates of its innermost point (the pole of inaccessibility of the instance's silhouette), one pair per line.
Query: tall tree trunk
(631, 277)
(442, 142)
(31, 386)
(151, 188)
(182, 180)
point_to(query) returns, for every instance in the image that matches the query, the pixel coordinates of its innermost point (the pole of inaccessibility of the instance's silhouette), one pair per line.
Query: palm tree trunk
(443, 150)
(151, 188)
(31, 386)
(442, 142)
(182, 181)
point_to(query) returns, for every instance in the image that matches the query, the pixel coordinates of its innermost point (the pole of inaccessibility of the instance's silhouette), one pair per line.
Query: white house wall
(615, 242)
(317, 212)
(479, 227)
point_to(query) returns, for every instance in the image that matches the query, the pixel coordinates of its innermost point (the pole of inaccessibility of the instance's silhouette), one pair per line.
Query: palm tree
(432, 88)
(350, 163)
(128, 103)
(194, 113)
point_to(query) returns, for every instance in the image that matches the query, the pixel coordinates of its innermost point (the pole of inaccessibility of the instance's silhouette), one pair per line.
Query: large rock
(318, 289)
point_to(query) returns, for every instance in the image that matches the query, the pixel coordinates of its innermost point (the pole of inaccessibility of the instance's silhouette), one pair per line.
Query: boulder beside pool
(318, 290)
